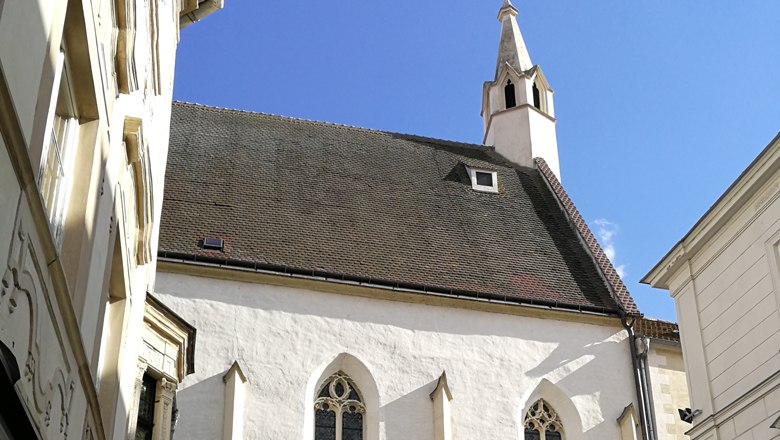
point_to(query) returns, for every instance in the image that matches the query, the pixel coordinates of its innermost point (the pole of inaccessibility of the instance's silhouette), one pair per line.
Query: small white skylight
(483, 180)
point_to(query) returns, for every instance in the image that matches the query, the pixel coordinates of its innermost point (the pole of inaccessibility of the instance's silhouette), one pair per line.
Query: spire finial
(511, 49)
(507, 8)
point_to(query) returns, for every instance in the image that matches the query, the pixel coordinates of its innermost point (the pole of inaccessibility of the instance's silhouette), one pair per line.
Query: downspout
(645, 423)
(645, 376)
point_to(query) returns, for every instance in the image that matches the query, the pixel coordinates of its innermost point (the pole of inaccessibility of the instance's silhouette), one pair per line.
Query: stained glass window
(542, 423)
(338, 410)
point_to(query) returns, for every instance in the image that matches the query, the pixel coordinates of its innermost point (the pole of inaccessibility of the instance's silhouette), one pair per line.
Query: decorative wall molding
(29, 324)
(124, 52)
(140, 169)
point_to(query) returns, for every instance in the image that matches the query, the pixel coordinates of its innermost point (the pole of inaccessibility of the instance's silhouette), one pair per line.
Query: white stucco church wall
(286, 339)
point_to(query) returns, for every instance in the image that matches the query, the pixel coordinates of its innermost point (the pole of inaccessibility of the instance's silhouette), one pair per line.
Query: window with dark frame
(145, 422)
(484, 179)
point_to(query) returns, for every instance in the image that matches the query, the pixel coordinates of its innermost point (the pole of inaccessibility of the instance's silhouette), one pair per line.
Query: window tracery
(339, 410)
(542, 422)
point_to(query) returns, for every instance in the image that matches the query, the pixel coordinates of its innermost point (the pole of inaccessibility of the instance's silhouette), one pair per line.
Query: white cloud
(606, 232)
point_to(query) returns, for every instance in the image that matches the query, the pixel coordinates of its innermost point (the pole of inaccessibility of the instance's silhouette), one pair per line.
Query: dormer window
(509, 94)
(483, 180)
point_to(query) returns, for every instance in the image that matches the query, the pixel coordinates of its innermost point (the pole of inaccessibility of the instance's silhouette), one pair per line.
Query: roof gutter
(278, 270)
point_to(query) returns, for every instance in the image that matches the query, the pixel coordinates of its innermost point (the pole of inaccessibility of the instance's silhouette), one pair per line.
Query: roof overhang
(174, 329)
(196, 10)
(741, 191)
(379, 289)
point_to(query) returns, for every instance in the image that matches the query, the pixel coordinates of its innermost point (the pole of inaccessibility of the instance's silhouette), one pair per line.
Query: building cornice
(372, 289)
(508, 110)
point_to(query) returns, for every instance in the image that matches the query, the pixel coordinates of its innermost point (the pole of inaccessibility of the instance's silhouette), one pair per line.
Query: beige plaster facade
(725, 279)
(85, 96)
(669, 389)
(661, 369)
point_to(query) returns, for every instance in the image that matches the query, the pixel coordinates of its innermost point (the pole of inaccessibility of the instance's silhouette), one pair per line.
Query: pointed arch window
(509, 94)
(537, 97)
(542, 423)
(339, 410)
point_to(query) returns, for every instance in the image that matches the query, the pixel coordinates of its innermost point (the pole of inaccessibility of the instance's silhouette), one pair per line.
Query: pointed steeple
(517, 105)
(511, 49)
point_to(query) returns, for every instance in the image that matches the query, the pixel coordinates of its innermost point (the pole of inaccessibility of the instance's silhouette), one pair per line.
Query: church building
(349, 283)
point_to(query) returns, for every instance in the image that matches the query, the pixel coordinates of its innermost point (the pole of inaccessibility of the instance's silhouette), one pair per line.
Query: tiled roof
(607, 269)
(658, 329)
(323, 198)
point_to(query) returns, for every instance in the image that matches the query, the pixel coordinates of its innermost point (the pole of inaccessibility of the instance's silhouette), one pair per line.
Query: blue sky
(660, 105)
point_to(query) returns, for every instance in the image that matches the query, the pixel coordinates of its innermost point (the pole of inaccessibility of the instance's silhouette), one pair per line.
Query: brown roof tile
(616, 283)
(658, 329)
(322, 198)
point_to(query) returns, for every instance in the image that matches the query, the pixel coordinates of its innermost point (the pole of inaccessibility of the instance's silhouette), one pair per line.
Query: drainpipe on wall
(642, 343)
(642, 393)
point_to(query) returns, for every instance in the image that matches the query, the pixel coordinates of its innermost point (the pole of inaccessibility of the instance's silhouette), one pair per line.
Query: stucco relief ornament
(29, 367)
(47, 414)
(340, 396)
(168, 386)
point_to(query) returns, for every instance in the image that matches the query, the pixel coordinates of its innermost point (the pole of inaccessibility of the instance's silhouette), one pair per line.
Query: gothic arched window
(537, 97)
(509, 94)
(542, 423)
(339, 410)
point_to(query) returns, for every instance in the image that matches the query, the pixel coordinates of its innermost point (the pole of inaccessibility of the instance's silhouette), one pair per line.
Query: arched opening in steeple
(509, 94)
(537, 96)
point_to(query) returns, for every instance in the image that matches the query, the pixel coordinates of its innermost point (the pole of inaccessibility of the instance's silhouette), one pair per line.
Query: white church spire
(512, 48)
(517, 106)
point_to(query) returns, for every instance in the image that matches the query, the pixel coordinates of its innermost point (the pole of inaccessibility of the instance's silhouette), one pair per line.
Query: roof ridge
(334, 125)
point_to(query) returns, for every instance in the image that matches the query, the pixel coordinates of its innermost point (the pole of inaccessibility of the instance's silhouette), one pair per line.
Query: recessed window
(145, 423)
(339, 410)
(542, 423)
(537, 97)
(509, 94)
(483, 180)
(59, 155)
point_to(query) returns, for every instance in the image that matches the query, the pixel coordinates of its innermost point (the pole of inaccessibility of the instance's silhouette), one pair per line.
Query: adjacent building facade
(725, 279)
(85, 98)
